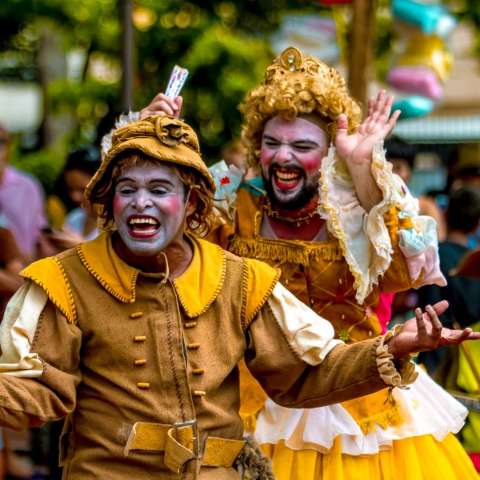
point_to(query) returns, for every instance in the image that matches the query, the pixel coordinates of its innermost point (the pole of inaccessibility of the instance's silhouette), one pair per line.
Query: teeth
(287, 175)
(142, 221)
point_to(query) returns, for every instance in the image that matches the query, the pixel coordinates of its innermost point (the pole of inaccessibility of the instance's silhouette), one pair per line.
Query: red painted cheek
(172, 205)
(118, 204)
(310, 163)
(265, 159)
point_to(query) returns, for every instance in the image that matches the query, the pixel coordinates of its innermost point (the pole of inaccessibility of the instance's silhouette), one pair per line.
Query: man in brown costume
(135, 337)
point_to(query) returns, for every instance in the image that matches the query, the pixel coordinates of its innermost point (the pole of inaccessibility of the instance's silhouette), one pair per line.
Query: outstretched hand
(162, 105)
(425, 332)
(357, 148)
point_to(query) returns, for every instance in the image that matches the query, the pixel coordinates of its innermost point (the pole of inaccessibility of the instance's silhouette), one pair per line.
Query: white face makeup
(291, 155)
(149, 208)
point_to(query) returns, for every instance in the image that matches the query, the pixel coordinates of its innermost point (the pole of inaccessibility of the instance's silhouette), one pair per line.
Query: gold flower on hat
(170, 131)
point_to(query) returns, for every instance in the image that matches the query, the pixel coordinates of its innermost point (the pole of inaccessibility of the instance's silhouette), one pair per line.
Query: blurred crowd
(34, 225)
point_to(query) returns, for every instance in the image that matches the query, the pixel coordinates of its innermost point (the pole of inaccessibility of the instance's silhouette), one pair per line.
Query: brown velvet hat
(165, 138)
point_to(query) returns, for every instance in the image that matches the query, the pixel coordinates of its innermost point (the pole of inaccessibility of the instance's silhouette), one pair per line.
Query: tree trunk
(52, 65)
(361, 49)
(127, 54)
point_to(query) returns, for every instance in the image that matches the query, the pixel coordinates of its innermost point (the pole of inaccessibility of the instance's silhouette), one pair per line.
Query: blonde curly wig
(294, 85)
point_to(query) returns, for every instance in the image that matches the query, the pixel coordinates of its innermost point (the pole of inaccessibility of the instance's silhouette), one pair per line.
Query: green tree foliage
(224, 44)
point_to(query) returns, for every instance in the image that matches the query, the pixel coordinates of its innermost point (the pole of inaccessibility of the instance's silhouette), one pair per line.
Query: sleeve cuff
(399, 373)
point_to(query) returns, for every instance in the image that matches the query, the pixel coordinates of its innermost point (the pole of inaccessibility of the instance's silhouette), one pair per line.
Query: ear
(192, 201)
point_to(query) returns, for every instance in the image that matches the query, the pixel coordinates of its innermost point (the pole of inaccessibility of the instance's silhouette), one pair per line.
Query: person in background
(402, 157)
(454, 367)
(11, 262)
(463, 294)
(73, 222)
(21, 202)
(234, 153)
(23, 210)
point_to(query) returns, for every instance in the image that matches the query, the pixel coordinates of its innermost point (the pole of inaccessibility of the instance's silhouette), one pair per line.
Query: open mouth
(142, 226)
(287, 178)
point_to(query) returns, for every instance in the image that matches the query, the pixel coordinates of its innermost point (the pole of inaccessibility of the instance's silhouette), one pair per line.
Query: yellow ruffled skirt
(415, 458)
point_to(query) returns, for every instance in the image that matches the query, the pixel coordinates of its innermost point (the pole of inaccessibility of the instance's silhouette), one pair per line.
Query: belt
(180, 443)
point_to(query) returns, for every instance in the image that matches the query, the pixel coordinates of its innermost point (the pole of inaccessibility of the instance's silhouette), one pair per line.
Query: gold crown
(294, 85)
(294, 64)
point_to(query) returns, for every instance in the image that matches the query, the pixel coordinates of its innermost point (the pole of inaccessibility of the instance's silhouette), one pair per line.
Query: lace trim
(375, 251)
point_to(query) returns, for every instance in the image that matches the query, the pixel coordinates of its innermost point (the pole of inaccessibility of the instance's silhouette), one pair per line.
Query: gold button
(199, 393)
(198, 371)
(139, 338)
(140, 362)
(286, 282)
(193, 346)
(190, 324)
(340, 281)
(136, 314)
(312, 301)
(143, 385)
(342, 316)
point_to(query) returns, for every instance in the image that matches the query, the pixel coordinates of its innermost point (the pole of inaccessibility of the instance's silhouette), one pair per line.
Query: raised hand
(162, 105)
(357, 148)
(425, 332)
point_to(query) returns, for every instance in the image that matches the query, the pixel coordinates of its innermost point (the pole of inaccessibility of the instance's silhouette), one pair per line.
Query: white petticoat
(426, 407)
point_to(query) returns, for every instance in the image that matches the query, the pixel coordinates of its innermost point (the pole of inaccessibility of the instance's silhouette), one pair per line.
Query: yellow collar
(196, 288)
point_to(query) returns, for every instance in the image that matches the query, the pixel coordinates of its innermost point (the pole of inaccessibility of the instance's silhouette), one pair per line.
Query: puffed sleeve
(293, 354)
(391, 243)
(39, 364)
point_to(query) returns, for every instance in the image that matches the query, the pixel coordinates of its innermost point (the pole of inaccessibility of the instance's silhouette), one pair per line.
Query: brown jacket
(120, 346)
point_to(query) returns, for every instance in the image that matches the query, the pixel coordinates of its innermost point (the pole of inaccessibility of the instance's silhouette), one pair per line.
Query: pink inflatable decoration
(418, 80)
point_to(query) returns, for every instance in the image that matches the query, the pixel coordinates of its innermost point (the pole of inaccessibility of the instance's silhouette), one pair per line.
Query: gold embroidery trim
(104, 284)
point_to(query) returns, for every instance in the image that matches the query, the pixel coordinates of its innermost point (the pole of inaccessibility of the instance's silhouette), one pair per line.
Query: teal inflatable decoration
(432, 19)
(414, 106)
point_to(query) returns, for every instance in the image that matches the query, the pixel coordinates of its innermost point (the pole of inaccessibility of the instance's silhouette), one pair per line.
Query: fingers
(163, 105)
(435, 322)
(440, 306)
(421, 328)
(371, 106)
(392, 122)
(179, 102)
(435, 331)
(342, 123)
(452, 337)
(342, 127)
(379, 119)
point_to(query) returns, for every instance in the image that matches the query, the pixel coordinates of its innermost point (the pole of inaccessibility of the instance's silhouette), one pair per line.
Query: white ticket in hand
(175, 83)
